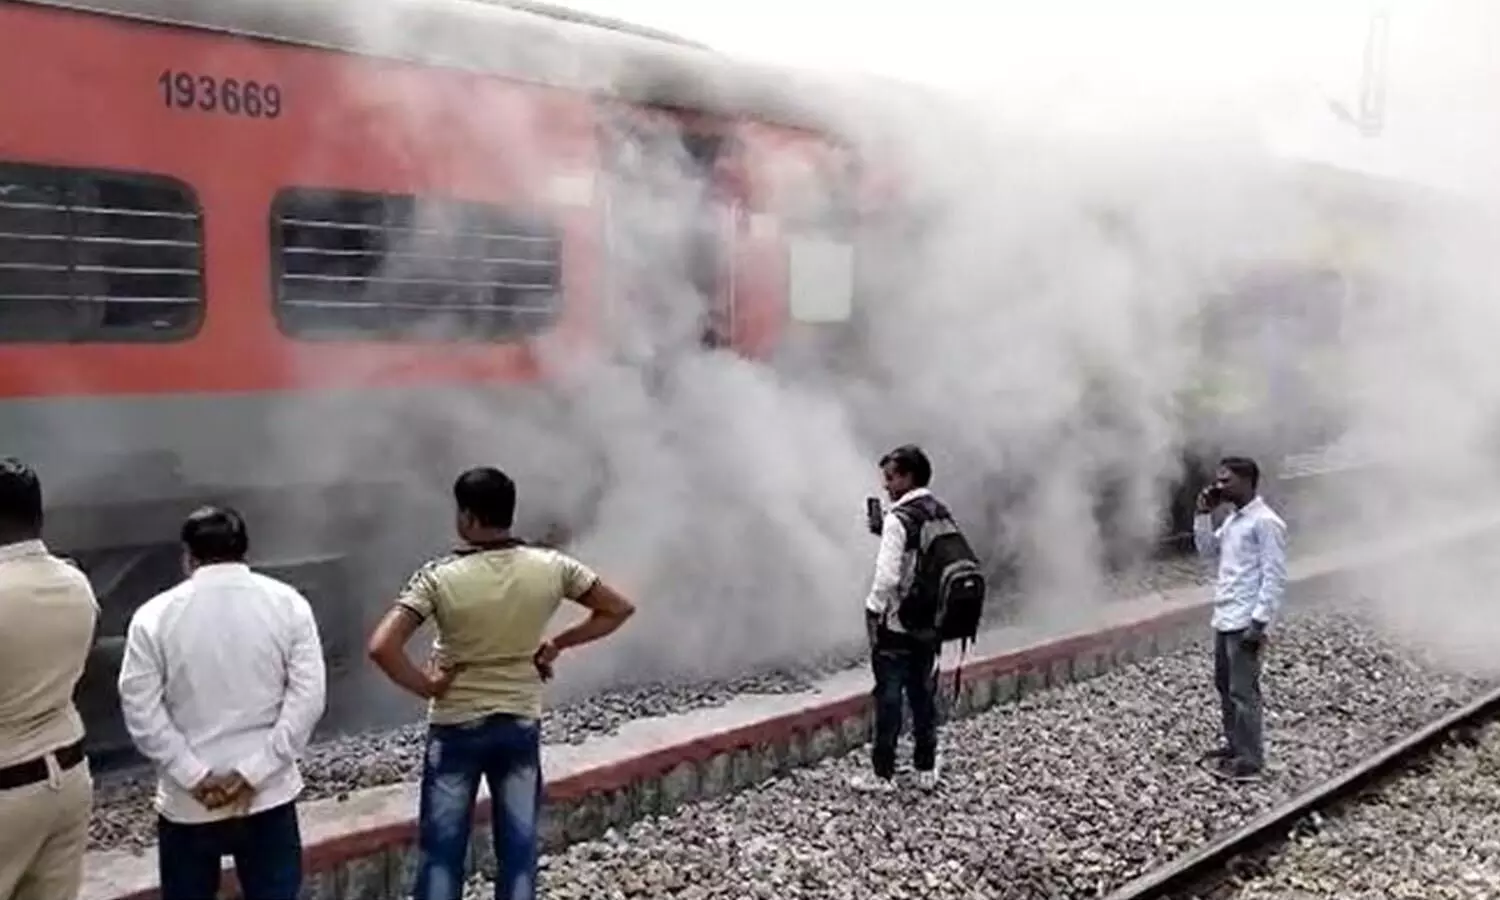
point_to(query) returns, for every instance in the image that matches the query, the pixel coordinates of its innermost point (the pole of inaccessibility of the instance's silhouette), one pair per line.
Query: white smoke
(1031, 311)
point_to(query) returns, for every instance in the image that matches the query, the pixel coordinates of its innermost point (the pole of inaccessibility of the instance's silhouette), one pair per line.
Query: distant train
(226, 223)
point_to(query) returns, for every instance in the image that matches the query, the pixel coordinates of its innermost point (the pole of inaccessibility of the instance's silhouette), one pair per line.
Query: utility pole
(1370, 117)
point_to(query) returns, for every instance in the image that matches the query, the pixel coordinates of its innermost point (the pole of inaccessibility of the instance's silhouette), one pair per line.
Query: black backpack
(946, 599)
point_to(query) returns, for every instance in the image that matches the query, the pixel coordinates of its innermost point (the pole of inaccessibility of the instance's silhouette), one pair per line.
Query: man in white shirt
(47, 616)
(222, 683)
(904, 667)
(1251, 546)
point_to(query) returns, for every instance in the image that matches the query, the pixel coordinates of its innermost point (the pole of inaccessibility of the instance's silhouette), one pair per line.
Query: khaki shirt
(47, 617)
(491, 609)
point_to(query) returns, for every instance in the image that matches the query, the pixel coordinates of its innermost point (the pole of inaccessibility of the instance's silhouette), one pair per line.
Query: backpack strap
(915, 513)
(958, 671)
(911, 520)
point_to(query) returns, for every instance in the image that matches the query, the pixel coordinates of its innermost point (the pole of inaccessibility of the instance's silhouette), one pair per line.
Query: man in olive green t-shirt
(491, 601)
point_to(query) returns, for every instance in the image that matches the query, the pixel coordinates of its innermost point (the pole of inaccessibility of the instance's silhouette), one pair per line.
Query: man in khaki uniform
(47, 615)
(491, 602)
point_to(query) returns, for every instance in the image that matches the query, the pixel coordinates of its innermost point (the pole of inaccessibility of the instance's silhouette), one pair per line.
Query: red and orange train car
(223, 223)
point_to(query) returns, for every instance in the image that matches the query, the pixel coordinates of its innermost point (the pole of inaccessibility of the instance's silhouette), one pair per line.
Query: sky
(1268, 68)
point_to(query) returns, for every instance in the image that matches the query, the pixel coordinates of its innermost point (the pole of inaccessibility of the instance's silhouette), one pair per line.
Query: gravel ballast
(1068, 793)
(123, 817)
(1432, 833)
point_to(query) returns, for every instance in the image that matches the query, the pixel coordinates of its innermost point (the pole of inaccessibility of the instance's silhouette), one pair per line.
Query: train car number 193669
(229, 96)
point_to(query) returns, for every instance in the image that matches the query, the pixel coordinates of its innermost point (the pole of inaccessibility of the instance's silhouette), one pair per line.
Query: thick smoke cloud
(1423, 392)
(1035, 316)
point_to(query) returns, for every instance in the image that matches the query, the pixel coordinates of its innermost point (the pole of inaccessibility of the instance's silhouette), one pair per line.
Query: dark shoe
(1237, 771)
(1217, 754)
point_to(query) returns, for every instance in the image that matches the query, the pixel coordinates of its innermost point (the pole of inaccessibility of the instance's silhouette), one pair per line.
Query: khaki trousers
(44, 828)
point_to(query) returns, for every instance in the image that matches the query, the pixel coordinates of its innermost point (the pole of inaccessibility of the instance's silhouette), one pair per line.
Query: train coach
(227, 228)
(224, 225)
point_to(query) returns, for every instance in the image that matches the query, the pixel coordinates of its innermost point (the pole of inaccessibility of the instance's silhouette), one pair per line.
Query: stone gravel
(1068, 793)
(1432, 833)
(123, 817)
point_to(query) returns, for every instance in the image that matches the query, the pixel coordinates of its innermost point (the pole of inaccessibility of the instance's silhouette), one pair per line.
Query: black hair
(487, 494)
(215, 534)
(908, 459)
(20, 500)
(1244, 467)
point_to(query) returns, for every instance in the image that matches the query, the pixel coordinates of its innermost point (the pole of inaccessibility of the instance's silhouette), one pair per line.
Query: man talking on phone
(1251, 546)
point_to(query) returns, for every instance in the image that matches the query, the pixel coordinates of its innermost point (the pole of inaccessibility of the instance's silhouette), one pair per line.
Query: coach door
(669, 236)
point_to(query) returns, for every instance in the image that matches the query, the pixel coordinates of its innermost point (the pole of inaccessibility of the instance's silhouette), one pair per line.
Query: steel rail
(1205, 868)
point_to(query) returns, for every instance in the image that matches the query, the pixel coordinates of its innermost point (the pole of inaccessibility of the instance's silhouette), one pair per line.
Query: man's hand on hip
(439, 674)
(544, 659)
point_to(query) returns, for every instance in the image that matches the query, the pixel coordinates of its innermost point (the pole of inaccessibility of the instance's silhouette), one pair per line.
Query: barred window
(1300, 306)
(90, 256)
(358, 266)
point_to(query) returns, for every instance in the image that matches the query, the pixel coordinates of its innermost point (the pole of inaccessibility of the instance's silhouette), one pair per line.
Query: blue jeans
(904, 670)
(266, 847)
(507, 752)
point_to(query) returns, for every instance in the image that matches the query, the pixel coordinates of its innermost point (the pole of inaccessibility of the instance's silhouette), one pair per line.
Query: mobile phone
(874, 515)
(1213, 495)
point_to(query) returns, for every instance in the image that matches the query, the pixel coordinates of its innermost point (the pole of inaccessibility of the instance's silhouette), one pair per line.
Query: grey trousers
(1237, 676)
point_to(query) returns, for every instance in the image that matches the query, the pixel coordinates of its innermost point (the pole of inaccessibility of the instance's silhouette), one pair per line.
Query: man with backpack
(927, 589)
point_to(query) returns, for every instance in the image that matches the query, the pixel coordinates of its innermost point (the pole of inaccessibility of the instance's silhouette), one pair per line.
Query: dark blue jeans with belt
(506, 751)
(266, 848)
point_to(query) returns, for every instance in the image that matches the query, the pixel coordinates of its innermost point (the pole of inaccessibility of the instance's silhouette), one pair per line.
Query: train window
(358, 266)
(820, 279)
(91, 256)
(820, 213)
(1302, 307)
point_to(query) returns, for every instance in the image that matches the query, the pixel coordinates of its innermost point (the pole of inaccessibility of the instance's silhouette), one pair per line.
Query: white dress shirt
(224, 671)
(1251, 544)
(893, 565)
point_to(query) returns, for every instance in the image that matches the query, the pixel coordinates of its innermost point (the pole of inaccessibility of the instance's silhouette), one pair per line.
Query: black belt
(34, 770)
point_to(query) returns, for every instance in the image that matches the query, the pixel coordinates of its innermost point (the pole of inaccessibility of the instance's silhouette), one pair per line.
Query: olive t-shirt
(491, 609)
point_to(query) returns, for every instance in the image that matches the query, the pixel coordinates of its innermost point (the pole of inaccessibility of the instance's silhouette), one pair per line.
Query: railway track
(1220, 869)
